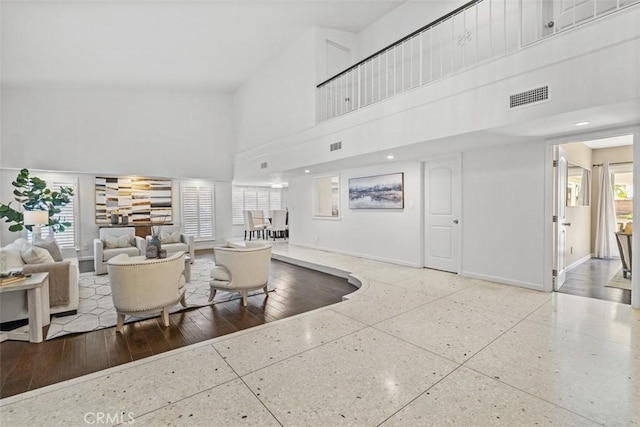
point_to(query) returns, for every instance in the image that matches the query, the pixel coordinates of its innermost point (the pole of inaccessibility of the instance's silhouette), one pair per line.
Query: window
(622, 177)
(198, 211)
(66, 238)
(253, 198)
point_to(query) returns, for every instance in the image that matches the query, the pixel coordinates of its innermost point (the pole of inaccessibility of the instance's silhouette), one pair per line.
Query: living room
(126, 99)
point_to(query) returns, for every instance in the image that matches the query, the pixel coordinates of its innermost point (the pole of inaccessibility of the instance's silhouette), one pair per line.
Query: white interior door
(560, 224)
(442, 200)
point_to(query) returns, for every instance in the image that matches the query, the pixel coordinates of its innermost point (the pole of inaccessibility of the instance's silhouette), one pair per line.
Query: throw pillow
(112, 242)
(50, 245)
(220, 273)
(170, 236)
(35, 255)
(11, 255)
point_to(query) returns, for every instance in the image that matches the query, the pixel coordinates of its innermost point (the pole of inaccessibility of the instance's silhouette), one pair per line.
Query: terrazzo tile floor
(411, 347)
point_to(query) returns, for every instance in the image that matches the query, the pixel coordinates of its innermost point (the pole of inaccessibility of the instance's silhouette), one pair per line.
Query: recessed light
(390, 157)
(581, 123)
(307, 171)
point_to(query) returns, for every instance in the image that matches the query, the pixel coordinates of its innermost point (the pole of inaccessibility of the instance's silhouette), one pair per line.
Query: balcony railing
(476, 32)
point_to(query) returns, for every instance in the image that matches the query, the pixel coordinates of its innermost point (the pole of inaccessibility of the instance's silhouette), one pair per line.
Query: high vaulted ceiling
(205, 44)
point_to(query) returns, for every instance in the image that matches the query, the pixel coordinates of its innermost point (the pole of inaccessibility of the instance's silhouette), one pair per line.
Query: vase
(153, 247)
(114, 218)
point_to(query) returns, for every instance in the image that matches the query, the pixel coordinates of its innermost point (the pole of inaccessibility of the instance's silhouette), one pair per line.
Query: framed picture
(143, 200)
(377, 192)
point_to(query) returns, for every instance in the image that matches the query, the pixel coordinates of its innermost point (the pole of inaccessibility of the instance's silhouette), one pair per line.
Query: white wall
(280, 98)
(384, 234)
(118, 132)
(503, 214)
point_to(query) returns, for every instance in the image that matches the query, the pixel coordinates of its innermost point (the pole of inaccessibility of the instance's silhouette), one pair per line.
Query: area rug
(95, 309)
(618, 281)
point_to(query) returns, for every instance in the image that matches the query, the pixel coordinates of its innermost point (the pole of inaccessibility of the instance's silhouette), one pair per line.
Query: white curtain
(585, 189)
(606, 246)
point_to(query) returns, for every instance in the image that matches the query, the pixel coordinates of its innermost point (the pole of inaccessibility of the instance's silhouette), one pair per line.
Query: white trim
(504, 281)
(578, 262)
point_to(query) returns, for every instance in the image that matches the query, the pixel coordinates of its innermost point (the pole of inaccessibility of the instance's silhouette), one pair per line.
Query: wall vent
(529, 97)
(263, 165)
(335, 146)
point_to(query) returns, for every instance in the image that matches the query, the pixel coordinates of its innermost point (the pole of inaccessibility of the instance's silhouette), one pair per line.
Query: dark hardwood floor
(589, 280)
(26, 366)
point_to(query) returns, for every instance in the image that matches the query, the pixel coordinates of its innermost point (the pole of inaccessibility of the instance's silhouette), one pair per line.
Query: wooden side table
(37, 287)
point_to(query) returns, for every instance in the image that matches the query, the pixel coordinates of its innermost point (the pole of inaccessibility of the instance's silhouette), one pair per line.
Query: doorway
(442, 204)
(587, 217)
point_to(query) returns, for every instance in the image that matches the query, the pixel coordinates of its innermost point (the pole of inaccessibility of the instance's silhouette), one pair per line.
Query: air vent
(335, 146)
(263, 165)
(529, 97)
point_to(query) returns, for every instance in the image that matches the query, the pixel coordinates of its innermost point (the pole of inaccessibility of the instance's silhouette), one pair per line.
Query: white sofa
(140, 285)
(13, 305)
(241, 269)
(113, 242)
(173, 239)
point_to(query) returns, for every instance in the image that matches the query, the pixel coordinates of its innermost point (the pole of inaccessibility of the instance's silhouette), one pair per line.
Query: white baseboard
(359, 255)
(504, 280)
(577, 263)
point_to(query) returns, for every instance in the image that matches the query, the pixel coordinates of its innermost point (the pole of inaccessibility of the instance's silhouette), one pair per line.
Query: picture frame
(377, 192)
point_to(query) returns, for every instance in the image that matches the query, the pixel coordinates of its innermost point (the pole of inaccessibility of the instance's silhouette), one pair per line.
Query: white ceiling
(210, 44)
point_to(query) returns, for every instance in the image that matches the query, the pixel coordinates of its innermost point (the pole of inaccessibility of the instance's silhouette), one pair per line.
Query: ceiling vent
(263, 165)
(529, 97)
(335, 146)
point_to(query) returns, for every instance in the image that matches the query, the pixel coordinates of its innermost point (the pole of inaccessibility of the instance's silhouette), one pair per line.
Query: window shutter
(237, 206)
(250, 200)
(198, 211)
(66, 238)
(263, 199)
(275, 200)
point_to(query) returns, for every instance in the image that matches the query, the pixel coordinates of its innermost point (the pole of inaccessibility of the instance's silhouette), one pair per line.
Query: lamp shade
(36, 217)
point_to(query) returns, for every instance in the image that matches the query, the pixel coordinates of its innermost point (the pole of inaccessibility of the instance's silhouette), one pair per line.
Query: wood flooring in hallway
(590, 278)
(26, 366)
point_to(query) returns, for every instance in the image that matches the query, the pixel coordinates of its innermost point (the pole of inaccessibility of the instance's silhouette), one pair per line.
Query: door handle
(455, 221)
(566, 223)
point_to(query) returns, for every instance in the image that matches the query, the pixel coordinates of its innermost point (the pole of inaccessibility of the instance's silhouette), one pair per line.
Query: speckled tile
(505, 299)
(138, 390)
(606, 320)
(360, 379)
(592, 377)
(435, 283)
(381, 302)
(284, 340)
(449, 329)
(468, 398)
(229, 404)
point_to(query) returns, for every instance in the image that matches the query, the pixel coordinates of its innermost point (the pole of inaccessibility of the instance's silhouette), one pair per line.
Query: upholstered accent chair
(173, 239)
(113, 242)
(142, 286)
(624, 239)
(241, 269)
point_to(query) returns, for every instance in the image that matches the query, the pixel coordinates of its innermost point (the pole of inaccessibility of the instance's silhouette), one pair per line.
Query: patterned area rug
(618, 281)
(95, 309)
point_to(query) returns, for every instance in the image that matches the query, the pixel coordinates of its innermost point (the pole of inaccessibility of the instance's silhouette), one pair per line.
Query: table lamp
(36, 218)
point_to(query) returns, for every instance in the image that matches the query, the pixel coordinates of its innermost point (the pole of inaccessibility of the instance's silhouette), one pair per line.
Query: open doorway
(594, 210)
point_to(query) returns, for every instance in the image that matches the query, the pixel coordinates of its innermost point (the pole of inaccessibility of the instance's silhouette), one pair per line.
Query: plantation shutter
(250, 200)
(66, 238)
(237, 206)
(198, 211)
(275, 200)
(263, 199)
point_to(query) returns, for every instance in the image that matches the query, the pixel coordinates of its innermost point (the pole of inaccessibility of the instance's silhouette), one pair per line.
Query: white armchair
(141, 286)
(173, 239)
(113, 242)
(241, 270)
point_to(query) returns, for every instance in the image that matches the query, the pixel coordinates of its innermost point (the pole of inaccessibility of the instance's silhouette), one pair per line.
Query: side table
(37, 287)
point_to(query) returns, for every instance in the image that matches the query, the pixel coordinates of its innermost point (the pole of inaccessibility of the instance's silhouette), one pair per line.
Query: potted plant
(33, 194)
